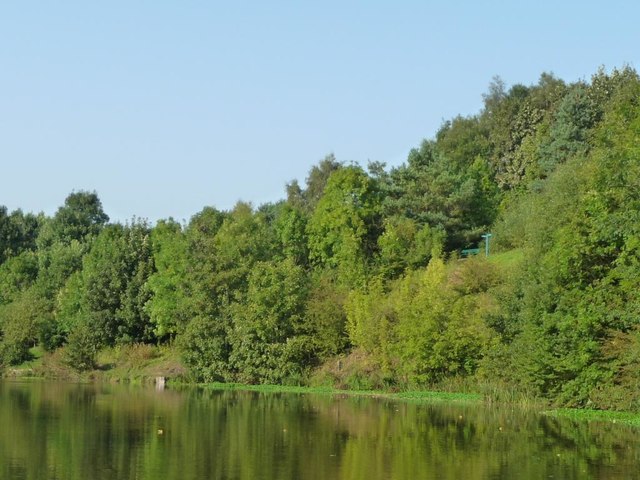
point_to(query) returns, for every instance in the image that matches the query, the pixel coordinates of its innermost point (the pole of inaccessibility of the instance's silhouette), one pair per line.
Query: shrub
(82, 348)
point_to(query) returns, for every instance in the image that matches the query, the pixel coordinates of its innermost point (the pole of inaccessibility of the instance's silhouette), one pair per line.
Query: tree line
(356, 276)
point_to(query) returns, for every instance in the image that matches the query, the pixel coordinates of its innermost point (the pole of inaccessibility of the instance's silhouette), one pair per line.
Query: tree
(270, 343)
(432, 191)
(516, 122)
(223, 258)
(81, 216)
(18, 233)
(575, 116)
(82, 347)
(290, 227)
(206, 348)
(580, 281)
(306, 199)
(404, 244)
(134, 322)
(20, 322)
(345, 225)
(168, 307)
(16, 275)
(64, 239)
(325, 314)
(110, 292)
(372, 323)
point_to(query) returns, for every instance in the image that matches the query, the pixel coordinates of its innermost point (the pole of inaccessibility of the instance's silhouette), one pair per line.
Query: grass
(585, 415)
(439, 396)
(267, 388)
(36, 353)
(417, 396)
(507, 259)
(139, 363)
(29, 367)
(426, 397)
(136, 364)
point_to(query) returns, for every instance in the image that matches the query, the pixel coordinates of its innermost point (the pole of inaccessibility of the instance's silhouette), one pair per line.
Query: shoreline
(418, 396)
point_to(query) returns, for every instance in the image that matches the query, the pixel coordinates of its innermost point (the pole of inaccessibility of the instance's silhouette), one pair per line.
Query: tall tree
(306, 199)
(18, 232)
(169, 307)
(269, 341)
(345, 225)
(80, 216)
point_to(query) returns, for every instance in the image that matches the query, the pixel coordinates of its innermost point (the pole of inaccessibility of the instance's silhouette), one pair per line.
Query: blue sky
(165, 107)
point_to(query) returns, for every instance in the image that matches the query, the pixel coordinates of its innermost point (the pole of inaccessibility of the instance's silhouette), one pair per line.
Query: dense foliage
(357, 277)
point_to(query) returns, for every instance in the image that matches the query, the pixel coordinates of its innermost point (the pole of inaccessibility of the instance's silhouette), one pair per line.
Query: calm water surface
(65, 431)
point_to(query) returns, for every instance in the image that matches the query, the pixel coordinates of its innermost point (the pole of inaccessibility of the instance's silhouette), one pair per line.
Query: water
(65, 431)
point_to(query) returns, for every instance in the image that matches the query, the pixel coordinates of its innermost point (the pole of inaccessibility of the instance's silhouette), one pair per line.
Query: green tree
(576, 115)
(432, 191)
(404, 244)
(56, 263)
(224, 257)
(206, 347)
(306, 199)
(18, 233)
(345, 225)
(81, 216)
(517, 119)
(325, 314)
(270, 340)
(580, 287)
(82, 347)
(290, 227)
(111, 288)
(17, 274)
(20, 322)
(169, 307)
(134, 324)
(372, 323)
(64, 239)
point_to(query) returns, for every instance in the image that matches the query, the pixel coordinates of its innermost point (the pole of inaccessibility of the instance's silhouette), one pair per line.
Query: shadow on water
(66, 431)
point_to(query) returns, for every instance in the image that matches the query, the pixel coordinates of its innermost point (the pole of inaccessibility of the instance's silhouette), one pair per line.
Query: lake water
(66, 431)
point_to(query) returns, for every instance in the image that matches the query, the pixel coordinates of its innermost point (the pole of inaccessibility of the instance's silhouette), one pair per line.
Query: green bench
(470, 251)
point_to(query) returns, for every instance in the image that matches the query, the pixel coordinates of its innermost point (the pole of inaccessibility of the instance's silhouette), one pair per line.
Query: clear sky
(164, 107)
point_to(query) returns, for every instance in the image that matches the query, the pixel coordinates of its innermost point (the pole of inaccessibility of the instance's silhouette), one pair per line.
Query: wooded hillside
(357, 277)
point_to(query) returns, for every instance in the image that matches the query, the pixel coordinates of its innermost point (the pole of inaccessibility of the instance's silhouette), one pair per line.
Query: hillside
(362, 270)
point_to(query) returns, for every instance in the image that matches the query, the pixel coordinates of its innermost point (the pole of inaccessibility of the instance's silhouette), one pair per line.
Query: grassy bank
(136, 364)
(417, 396)
(585, 415)
(140, 364)
(580, 415)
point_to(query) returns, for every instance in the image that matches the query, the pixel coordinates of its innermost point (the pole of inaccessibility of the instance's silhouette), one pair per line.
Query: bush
(14, 351)
(205, 350)
(82, 348)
